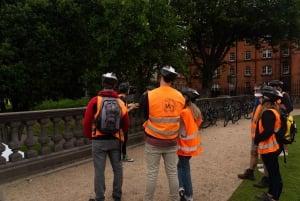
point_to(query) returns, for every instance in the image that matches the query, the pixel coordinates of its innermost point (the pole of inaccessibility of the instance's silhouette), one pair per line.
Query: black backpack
(109, 117)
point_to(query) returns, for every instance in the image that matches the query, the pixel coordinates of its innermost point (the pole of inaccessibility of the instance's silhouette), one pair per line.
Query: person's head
(109, 80)
(270, 94)
(190, 95)
(256, 90)
(168, 74)
(124, 87)
(277, 84)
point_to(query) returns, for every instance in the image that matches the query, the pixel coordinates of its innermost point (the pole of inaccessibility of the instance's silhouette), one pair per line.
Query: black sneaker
(264, 183)
(248, 174)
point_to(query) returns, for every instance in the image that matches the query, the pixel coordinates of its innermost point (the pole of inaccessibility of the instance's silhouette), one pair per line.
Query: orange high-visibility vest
(269, 145)
(96, 132)
(255, 119)
(189, 137)
(165, 106)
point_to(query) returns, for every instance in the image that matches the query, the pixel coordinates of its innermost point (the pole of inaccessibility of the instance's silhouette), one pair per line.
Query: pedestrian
(188, 142)
(254, 156)
(286, 106)
(106, 138)
(268, 123)
(162, 107)
(249, 173)
(123, 91)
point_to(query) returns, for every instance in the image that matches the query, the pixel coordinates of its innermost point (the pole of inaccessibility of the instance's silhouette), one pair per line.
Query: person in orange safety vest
(162, 107)
(188, 142)
(268, 124)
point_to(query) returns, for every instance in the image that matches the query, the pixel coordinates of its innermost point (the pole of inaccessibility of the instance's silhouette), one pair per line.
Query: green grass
(290, 172)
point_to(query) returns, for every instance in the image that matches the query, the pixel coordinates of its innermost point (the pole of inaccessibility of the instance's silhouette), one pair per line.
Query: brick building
(247, 65)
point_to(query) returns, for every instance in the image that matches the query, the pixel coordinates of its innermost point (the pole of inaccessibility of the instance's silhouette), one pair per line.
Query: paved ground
(225, 154)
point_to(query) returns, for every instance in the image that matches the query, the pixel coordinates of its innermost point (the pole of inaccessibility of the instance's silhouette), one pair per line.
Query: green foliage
(290, 175)
(64, 103)
(59, 49)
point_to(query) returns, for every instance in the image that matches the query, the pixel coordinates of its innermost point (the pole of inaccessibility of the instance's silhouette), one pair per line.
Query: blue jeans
(153, 154)
(100, 150)
(184, 174)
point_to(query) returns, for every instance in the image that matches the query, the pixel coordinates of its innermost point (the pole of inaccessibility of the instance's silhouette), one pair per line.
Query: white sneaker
(282, 154)
(188, 198)
(260, 165)
(261, 170)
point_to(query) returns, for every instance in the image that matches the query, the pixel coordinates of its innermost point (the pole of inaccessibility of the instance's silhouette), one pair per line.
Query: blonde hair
(195, 110)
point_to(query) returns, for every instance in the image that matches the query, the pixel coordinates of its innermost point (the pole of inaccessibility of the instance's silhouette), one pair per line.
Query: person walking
(188, 142)
(268, 123)
(162, 107)
(104, 143)
(123, 91)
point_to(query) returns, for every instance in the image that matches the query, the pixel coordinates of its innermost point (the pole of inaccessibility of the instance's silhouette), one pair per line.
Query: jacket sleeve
(125, 123)
(89, 117)
(286, 100)
(268, 122)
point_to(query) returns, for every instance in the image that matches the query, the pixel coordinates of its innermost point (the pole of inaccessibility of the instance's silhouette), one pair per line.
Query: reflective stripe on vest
(255, 119)
(269, 145)
(164, 120)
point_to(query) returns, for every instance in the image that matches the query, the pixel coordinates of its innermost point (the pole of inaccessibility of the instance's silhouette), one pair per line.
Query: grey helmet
(271, 94)
(191, 94)
(275, 83)
(169, 74)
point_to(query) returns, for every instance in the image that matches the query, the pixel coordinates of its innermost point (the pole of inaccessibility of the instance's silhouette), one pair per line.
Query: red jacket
(92, 108)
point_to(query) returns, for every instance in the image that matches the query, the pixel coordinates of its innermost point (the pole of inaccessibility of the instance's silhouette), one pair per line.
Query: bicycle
(230, 113)
(209, 116)
(245, 109)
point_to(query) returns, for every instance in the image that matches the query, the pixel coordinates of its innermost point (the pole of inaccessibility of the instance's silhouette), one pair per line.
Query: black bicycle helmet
(123, 87)
(109, 78)
(275, 83)
(271, 94)
(169, 74)
(191, 94)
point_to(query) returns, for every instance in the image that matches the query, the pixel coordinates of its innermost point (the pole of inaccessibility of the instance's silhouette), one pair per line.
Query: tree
(134, 38)
(216, 26)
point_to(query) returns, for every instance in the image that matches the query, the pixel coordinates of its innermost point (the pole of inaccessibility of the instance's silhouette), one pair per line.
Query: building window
(266, 70)
(248, 88)
(267, 53)
(285, 69)
(231, 56)
(247, 71)
(285, 52)
(216, 73)
(247, 55)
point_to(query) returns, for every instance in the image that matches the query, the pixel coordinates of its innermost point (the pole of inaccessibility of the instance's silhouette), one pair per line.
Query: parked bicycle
(230, 113)
(209, 115)
(245, 109)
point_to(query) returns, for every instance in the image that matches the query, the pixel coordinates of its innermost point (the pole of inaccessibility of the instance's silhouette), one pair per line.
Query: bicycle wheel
(205, 123)
(248, 111)
(226, 119)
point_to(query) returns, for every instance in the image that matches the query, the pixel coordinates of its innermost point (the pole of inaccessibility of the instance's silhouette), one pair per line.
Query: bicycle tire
(205, 124)
(226, 119)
